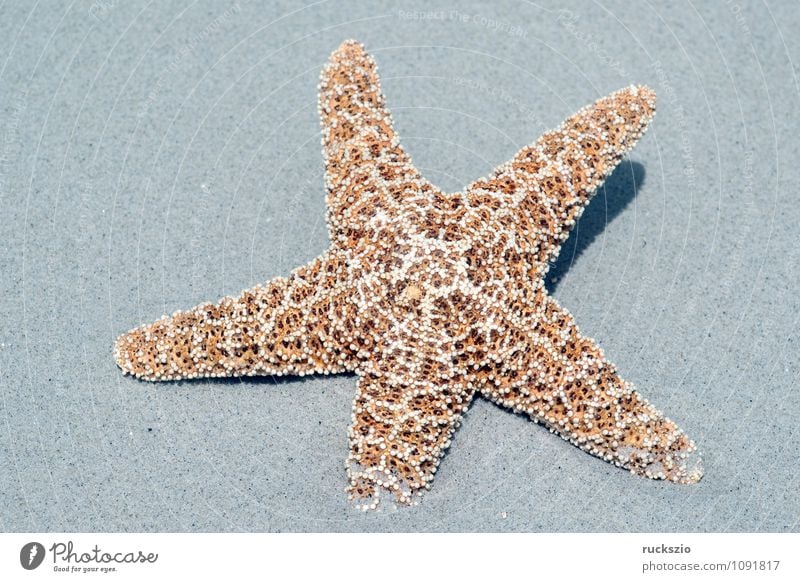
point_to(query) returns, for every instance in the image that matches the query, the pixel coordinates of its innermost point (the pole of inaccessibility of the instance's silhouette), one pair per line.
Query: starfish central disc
(416, 276)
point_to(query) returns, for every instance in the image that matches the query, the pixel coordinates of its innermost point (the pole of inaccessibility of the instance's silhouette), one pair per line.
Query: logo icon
(31, 555)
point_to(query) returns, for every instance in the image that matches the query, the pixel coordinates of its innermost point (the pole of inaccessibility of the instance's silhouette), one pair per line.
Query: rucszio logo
(31, 555)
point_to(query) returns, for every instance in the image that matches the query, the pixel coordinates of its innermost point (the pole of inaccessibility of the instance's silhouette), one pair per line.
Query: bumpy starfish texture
(432, 298)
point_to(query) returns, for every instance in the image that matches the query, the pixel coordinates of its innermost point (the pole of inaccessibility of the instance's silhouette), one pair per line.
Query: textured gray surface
(158, 155)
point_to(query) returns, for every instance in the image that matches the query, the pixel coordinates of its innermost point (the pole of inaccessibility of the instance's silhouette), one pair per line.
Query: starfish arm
(560, 378)
(364, 162)
(402, 425)
(551, 181)
(293, 325)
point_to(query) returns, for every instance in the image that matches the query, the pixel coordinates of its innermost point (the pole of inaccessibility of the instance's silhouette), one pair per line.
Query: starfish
(433, 298)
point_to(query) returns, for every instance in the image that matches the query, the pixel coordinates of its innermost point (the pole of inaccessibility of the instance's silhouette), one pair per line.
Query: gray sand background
(157, 155)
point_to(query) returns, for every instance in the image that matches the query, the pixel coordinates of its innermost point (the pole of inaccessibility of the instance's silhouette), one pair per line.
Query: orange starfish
(432, 298)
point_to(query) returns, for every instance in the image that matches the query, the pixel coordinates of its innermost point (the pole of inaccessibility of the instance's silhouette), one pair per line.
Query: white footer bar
(407, 557)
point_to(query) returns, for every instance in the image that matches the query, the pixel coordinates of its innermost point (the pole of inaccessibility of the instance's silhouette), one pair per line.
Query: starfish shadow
(618, 191)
